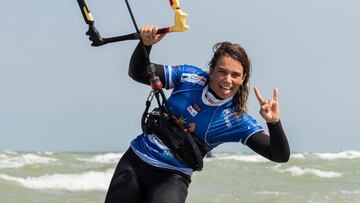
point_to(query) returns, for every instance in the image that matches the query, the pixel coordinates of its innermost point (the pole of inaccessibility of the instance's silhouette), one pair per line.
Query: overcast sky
(57, 93)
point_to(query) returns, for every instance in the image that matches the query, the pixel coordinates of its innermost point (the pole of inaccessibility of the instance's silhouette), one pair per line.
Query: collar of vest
(209, 99)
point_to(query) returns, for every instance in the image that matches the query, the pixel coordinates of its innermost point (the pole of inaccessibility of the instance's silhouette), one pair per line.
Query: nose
(228, 78)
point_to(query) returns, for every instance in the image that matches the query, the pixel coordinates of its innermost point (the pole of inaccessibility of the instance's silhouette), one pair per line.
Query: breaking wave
(339, 155)
(298, 155)
(108, 158)
(10, 161)
(298, 171)
(245, 158)
(266, 192)
(86, 181)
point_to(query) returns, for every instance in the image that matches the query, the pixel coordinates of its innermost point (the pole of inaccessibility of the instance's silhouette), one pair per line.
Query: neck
(213, 93)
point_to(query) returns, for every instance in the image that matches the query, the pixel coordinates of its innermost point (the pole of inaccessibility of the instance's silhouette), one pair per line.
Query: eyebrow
(219, 67)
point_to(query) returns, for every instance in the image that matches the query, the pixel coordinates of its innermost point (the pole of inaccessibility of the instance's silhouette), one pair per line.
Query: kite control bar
(94, 34)
(97, 40)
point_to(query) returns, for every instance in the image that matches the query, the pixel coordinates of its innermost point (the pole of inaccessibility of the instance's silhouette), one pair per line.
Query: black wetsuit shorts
(135, 181)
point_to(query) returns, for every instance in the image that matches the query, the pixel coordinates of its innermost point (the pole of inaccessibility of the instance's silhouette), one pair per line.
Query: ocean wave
(339, 155)
(245, 158)
(45, 153)
(9, 152)
(347, 192)
(87, 181)
(108, 158)
(266, 192)
(298, 155)
(298, 171)
(7, 161)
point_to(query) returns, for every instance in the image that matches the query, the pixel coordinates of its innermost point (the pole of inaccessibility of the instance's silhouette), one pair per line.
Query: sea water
(55, 177)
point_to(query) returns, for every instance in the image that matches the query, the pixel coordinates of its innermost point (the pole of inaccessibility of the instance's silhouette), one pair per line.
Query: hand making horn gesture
(269, 109)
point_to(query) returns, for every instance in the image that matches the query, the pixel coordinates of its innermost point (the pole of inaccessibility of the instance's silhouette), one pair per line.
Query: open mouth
(225, 90)
(225, 87)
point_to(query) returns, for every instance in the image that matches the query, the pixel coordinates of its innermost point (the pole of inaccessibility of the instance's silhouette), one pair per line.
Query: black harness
(186, 147)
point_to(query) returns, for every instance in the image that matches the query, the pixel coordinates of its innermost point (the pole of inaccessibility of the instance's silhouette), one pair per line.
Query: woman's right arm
(138, 66)
(138, 62)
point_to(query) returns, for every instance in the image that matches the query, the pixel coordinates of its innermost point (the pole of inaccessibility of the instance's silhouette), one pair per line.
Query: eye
(222, 71)
(236, 75)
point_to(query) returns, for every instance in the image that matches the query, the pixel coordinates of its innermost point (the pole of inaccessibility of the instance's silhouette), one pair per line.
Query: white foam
(298, 171)
(298, 156)
(339, 155)
(245, 158)
(23, 160)
(9, 152)
(346, 192)
(266, 192)
(45, 153)
(108, 158)
(87, 181)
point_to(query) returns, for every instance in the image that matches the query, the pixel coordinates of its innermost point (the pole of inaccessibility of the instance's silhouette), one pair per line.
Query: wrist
(273, 121)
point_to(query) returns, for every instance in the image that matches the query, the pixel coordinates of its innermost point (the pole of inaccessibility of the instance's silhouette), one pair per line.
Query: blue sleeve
(176, 75)
(229, 127)
(252, 127)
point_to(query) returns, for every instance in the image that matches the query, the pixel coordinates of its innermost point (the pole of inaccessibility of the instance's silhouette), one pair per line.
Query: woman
(211, 106)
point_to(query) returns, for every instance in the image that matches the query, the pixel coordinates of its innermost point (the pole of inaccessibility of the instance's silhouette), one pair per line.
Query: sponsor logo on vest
(225, 114)
(194, 109)
(193, 78)
(210, 98)
(168, 153)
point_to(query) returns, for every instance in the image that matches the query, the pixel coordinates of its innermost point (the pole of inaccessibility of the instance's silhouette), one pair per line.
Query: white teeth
(225, 87)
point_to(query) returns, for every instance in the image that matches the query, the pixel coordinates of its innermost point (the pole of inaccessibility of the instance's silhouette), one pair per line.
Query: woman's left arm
(274, 147)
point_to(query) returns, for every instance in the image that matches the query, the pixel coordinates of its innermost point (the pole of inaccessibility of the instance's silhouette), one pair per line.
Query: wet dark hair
(237, 53)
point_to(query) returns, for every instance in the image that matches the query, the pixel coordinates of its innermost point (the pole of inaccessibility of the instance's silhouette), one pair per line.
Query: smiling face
(226, 77)
(230, 70)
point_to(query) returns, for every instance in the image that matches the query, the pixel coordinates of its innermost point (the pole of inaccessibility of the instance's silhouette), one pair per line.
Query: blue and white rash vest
(214, 120)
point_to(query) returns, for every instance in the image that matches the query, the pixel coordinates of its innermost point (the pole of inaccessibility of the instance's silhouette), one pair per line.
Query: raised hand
(149, 36)
(269, 109)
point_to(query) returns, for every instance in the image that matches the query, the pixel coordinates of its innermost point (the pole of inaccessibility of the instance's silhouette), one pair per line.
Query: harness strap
(186, 147)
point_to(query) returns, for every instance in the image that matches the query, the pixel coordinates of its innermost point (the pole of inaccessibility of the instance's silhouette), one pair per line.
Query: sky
(57, 93)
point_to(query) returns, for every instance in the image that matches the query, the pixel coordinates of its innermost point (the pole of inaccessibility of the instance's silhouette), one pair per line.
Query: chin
(225, 96)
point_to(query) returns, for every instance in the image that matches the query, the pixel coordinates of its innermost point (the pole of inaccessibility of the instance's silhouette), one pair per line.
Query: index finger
(276, 94)
(258, 96)
(154, 30)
